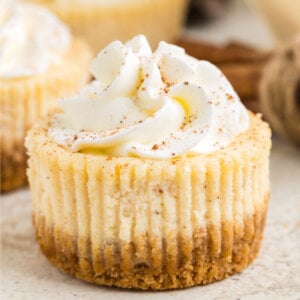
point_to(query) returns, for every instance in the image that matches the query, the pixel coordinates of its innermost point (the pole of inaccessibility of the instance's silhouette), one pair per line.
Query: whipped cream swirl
(154, 105)
(31, 39)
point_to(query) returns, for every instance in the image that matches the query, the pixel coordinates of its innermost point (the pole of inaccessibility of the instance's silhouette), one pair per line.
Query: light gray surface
(275, 274)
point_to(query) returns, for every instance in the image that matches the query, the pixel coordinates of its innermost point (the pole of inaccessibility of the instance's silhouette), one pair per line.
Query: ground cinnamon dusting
(229, 97)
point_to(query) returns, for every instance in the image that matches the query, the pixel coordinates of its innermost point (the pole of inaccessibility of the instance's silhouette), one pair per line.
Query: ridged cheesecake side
(148, 224)
(23, 100)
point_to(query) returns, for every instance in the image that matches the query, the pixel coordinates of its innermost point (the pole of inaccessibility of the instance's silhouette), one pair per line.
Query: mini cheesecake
(154, 176)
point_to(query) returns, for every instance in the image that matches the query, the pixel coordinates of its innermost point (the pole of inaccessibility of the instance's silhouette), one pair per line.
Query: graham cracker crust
(198, 262)
(13, 168)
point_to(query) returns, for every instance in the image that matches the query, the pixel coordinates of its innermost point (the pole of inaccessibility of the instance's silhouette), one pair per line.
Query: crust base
(13, 169)
(201, 267)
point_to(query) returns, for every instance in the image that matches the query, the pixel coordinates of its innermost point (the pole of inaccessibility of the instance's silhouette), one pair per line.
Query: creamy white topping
(154, 105)
(31, 39)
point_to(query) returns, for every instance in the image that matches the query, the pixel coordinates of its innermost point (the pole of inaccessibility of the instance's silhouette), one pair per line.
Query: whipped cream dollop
(31, 39)
(153, 105)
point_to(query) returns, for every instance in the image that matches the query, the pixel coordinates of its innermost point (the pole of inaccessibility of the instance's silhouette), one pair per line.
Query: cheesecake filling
(31, 39)
(159, 105)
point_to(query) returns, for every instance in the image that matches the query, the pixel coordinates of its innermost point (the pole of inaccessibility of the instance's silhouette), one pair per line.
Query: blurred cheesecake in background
(102, 21)
(40, 61)
(282, 15)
